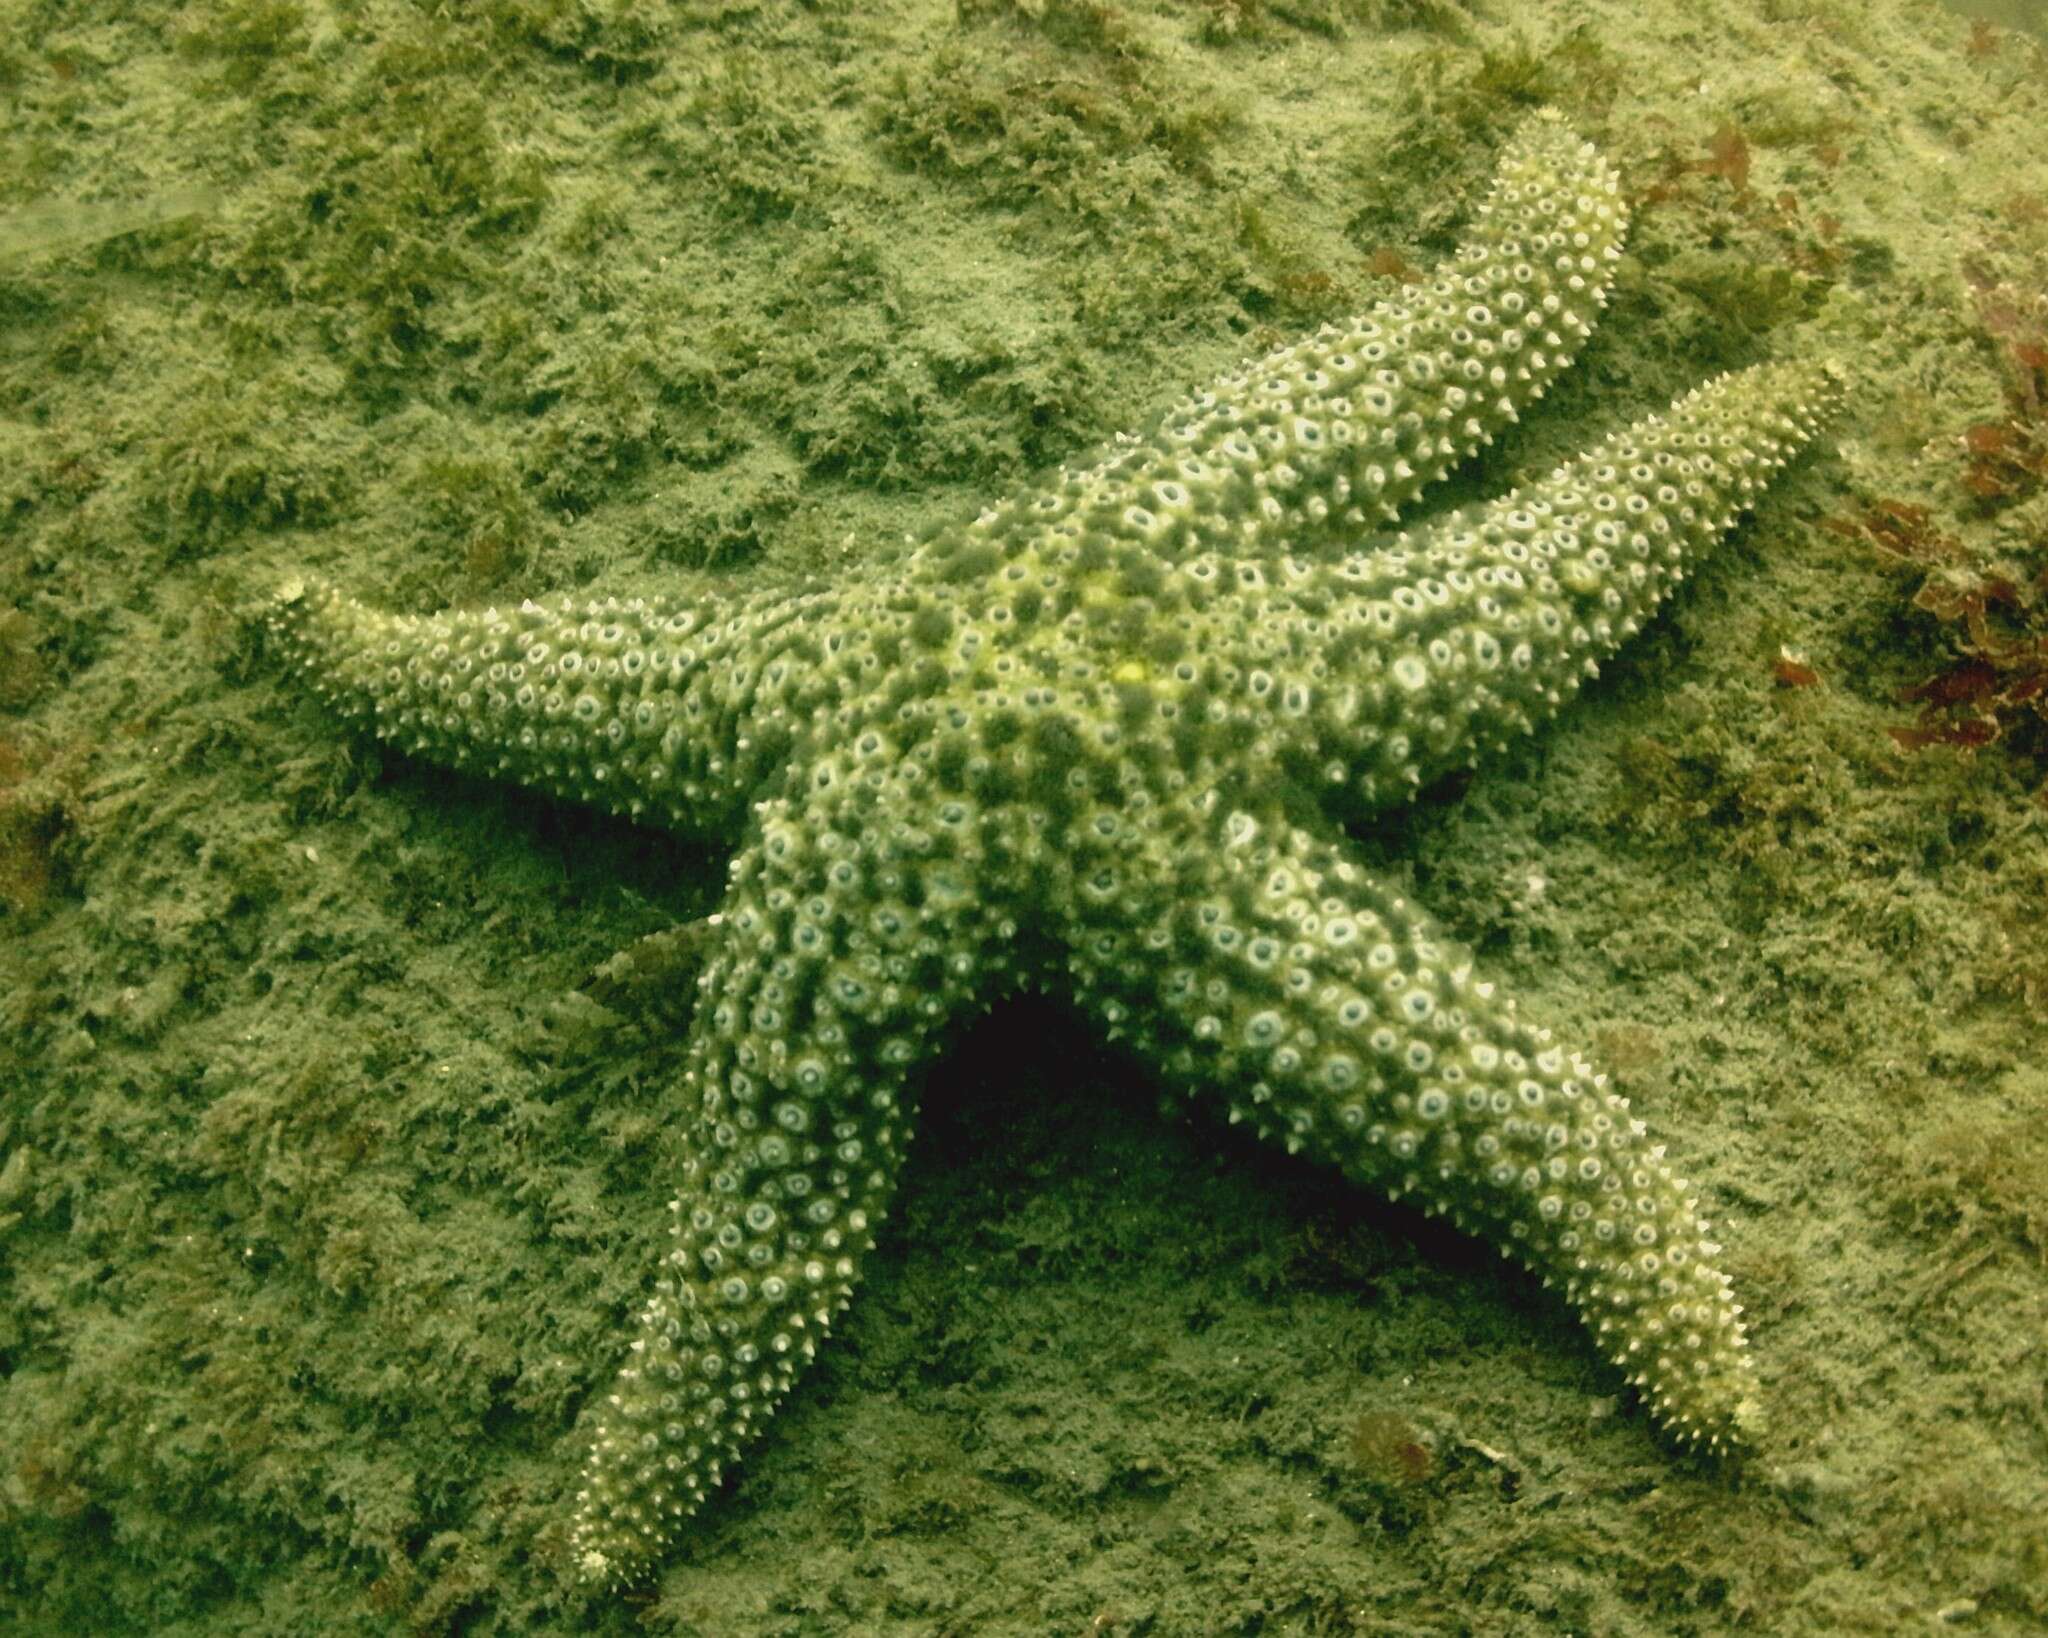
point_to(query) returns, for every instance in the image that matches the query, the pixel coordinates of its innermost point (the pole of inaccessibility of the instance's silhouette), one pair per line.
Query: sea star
(1101, 739)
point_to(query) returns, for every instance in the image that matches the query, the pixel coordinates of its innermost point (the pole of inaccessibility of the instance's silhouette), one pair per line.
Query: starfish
(1102, 739)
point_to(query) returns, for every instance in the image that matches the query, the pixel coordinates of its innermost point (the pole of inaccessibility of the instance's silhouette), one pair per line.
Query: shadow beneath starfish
(1050, 1165)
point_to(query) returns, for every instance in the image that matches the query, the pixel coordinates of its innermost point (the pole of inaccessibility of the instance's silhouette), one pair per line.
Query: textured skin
(1100, 740)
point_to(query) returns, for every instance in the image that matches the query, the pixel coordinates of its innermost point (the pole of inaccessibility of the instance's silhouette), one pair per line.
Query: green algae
(323, 1192)
(53, 226)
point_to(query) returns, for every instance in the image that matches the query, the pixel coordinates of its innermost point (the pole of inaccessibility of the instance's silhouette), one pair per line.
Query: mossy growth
(621, 40)
(1283, 283)
(475, 505)
(748, 128)
(61, 225)
(411, 200)
(39, 792)
(830, 374)
(226, 460)
(1229, 21)
(22, 672)
(1745, 299)
(1017, 110)
(1979, 1179)
(246, 37)
(1485, 90)
(749, 512)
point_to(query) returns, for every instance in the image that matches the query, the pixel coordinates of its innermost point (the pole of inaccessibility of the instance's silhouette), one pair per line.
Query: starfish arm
(640, 706)
(848, 941)
(1339, 431)
(1322, 1005)
(1457, 637)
